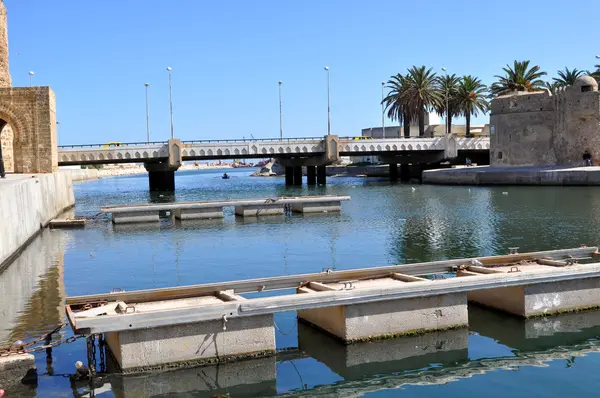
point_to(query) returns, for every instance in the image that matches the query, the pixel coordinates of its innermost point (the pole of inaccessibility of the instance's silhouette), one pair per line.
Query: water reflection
(33, 289)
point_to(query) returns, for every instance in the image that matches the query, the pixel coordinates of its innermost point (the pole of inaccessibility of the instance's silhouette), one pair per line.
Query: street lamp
(280, 114)
(31, 78)
(447, 108)
(382, 110)
(169, 69)
(328, 103)
(147, 115)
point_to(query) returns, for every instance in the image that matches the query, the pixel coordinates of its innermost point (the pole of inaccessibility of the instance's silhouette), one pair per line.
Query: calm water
(383, 224)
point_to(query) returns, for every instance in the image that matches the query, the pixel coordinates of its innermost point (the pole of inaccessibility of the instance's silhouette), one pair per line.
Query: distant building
(541, 129)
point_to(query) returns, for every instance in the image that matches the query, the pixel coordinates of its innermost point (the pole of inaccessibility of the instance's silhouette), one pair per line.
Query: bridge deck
(220, 301)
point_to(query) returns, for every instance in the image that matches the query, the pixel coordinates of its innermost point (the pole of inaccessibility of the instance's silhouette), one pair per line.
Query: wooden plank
(408, 278)
(293, 281)
(321, 287)
(106, 309)
(464, 272)
(303, 289)
(295, 302)
(553, 263)
(228, 296)
(484, 270)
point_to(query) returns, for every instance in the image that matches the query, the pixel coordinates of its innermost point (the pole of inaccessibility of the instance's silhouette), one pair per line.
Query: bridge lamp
(147, 115)
(382, 110)
(280, 114)
(31, 73)
(328, 103)
(169, 69)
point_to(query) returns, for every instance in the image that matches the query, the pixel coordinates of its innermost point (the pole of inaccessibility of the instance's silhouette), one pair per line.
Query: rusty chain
(27, 348)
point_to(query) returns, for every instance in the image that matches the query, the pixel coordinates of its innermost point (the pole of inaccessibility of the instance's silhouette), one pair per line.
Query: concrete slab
(274, 209)
(192, 344)
(317, 207)
(135, 217)
(393, 318)
(15, 368)
(198, 213)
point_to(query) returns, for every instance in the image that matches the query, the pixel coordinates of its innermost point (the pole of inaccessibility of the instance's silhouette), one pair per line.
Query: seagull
(413, 189)
(477, 262)
(504, 193)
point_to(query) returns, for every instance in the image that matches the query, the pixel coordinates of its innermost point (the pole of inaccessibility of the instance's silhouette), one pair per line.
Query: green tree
(519, 77)
(421, 94)
(567, 77)
(471, 99)
(394, 102)
(596, 73)
(551, 86)
(448, 87)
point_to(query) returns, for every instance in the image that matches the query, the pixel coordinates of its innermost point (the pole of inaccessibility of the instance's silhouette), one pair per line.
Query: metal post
(382, 110)
(447, 107)
(147, 116)
(280, 114)
(171, 101)
(328, 102)
(31, 79)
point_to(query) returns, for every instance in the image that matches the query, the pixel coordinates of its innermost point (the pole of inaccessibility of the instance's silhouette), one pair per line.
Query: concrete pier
(384, 319)
(15, 371)
(310, 207)
(298, 175)
(321, 175)
(538, 299)
(289, 175)
(393, 172)
(199, 214)
(311, 175)
(135, 217)
(272, 209)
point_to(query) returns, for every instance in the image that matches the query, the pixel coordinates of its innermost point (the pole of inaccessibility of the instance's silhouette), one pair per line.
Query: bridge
(163, 158)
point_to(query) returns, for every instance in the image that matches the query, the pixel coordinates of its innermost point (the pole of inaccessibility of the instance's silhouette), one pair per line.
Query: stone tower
(5, 79)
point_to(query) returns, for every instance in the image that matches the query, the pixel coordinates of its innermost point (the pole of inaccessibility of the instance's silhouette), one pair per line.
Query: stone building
(27, 119)
(541, 129)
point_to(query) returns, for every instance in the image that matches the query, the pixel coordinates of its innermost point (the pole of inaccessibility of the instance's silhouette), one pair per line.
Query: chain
(91, 354)
(102, 346)
(26, 348)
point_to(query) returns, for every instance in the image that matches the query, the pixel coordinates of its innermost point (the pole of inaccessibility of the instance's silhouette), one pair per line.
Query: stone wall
(28, 204)
(5, 79)
(6, 140)
(541, 129)
(522, 127)
(31, 112)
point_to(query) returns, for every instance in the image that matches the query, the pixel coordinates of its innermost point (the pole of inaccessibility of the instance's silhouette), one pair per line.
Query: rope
(288, 333)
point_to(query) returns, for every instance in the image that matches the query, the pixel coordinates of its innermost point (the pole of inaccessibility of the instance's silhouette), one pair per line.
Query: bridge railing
(123, 144)
(216, 141)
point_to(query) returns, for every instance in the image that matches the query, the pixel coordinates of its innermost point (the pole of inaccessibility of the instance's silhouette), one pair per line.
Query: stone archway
(6, 142)
(30, 112)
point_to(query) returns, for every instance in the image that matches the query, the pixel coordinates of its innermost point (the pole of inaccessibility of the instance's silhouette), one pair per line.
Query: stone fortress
(27, 119)
(541, 129)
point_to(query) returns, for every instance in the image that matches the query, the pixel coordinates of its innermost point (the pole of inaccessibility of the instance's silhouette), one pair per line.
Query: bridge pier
(289, 175)
(404, 173)
(161, 177)
(298, 175)
(393, 172)
(311, 175)
(322, 174)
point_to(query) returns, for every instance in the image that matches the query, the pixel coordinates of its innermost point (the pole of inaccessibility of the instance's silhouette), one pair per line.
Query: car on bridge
(362, 137)
(112, 144)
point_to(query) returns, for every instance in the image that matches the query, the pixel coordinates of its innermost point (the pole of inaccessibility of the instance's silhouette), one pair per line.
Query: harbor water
(383, 224)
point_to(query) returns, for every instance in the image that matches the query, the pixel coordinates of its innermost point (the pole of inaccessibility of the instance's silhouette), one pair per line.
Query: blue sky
(227, 57)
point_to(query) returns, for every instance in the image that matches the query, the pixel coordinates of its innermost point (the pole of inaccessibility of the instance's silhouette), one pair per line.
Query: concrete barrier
(27, 204)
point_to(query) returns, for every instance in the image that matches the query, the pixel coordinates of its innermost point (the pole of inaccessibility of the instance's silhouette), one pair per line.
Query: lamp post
(31, 78)
(382, 110)
(280, 114)
(328, 103)
(169, 69)
(447, 108)
(147, 115)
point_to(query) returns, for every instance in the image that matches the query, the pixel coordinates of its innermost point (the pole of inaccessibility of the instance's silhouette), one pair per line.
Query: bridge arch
(14, 129)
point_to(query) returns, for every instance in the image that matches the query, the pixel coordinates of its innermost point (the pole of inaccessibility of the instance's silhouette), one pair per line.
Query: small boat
(225, 176)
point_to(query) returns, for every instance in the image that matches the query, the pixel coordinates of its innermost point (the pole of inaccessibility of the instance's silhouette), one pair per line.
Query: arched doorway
(7, 164)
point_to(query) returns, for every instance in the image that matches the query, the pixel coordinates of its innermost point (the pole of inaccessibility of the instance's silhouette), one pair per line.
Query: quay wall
(84, 174)
(489, 175)
(27, 204)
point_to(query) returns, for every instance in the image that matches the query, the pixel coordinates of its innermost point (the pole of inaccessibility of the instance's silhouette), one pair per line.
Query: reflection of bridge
(161, 159)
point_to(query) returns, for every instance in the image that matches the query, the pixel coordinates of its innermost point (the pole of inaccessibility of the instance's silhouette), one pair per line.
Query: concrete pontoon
(215, 323)
(214, 209)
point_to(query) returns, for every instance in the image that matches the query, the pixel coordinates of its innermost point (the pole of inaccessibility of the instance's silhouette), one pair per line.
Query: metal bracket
(514, 269)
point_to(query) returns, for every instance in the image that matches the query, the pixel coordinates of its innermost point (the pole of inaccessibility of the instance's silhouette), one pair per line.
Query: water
(383, 224)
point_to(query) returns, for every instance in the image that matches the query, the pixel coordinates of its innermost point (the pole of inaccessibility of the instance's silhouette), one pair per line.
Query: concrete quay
(214, 209)
(214, 323)
(27, 204)
(522, 175)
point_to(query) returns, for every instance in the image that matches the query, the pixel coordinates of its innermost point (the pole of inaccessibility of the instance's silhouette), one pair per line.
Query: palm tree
(421, 94)
(394, 102)
(519, 77)
(551, 86)
(567, 77)
(471, 99)
(596, 74)
(448, 87)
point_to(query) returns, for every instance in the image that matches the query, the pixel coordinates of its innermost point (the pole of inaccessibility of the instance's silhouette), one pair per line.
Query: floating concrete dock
(214, 322)
(214, 209)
